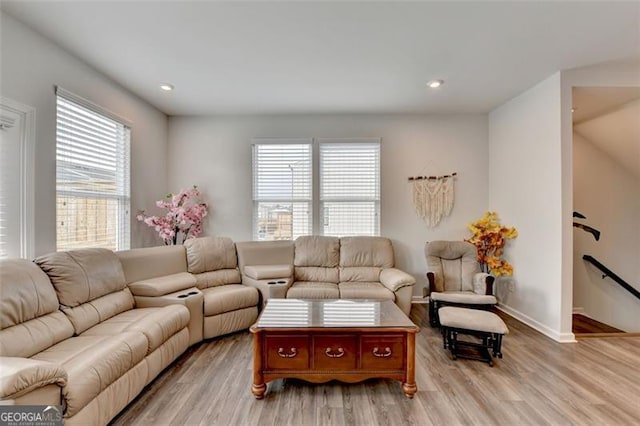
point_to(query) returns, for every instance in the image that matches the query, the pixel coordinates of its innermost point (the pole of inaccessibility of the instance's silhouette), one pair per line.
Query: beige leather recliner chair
(228, 304)
(455, 278)
(316, 273)
(367, 271)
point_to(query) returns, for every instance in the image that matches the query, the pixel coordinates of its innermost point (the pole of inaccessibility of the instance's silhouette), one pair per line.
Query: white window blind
(350, 188)
(282, 189)
(92, 171)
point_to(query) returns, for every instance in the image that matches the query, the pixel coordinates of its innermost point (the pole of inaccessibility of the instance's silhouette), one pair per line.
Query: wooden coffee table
(323, 340)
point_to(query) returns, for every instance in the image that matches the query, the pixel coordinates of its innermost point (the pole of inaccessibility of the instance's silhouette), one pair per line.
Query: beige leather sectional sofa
(317, 267)
(89, 329)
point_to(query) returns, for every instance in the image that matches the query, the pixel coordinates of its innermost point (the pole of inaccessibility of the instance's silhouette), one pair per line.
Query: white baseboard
(579, 310)
(558, 337)
(419, 300)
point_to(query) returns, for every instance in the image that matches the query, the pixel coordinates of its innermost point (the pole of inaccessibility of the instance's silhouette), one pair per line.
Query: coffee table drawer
(287, 353)
(383, 352)
(335, 352)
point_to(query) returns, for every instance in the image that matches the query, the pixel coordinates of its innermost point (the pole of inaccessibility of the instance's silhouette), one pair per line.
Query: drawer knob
(339, 353)
(385, 354)
(291, 354)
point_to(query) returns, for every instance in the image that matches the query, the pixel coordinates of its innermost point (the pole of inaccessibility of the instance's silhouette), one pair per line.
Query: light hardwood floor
(539, 381)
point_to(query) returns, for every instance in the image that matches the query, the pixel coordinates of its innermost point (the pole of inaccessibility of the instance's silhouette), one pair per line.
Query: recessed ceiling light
(434, 84)
(167, 87)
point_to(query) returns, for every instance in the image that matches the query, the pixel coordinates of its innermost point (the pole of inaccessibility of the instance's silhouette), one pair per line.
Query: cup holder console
(276, 282)
(191, 293)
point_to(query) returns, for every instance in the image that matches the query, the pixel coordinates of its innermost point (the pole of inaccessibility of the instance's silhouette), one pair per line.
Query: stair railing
(609, 273)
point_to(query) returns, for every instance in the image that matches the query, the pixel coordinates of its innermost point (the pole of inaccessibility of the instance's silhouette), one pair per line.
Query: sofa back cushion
(366, 251)
(29, 318)
(453, 263)
(264, 253)
(80, 276)
(26, 292)
(210, 254)
(90, 285)
(97, 310)
(152, 262)
(318, 251)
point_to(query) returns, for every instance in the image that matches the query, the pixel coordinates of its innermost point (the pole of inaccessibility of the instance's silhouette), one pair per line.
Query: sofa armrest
(19, 376)
(160, 286)
(395, 279)
(483, 283)
(431, 277)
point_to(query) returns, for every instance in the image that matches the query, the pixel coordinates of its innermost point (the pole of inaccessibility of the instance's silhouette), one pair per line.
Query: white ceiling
(331, 57)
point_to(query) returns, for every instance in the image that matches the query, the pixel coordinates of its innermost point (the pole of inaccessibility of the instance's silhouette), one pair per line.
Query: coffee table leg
(259, 387)
(409, 386)
(259, 390)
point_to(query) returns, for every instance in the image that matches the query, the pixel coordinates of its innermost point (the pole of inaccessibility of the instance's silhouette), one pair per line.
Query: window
(92, 174)
(324, 187)
(282, 190)
(350, 188)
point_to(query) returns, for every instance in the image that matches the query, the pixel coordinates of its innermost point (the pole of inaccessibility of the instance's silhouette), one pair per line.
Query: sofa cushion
(156, 324)
(33, 336)
(218, 278)
(360, 273)
(366, 251)
(227, 298)
(267, 272)
(210, 254)
(150, 262)
(26, 292)
(80, 276)
(159, 286)
(313, 290)
(315, 273)
(93, 363)
(97, 310)
(472, 319)
(313, 250)
(364, 290)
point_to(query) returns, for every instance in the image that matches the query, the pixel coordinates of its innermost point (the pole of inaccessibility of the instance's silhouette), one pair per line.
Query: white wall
(525, 188)
(609, 196)
(31, 66)
(215, 154)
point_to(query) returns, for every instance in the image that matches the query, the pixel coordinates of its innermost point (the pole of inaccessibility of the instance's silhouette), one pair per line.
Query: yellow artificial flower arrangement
(489, 237)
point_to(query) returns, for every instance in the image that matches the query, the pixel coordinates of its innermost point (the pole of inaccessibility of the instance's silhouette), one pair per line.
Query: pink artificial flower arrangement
(185, 212)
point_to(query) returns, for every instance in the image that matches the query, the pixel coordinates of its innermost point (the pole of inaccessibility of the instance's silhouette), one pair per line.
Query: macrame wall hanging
(433, 197)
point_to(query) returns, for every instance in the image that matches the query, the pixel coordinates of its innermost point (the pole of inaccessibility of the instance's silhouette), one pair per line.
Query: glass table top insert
(299, 313)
